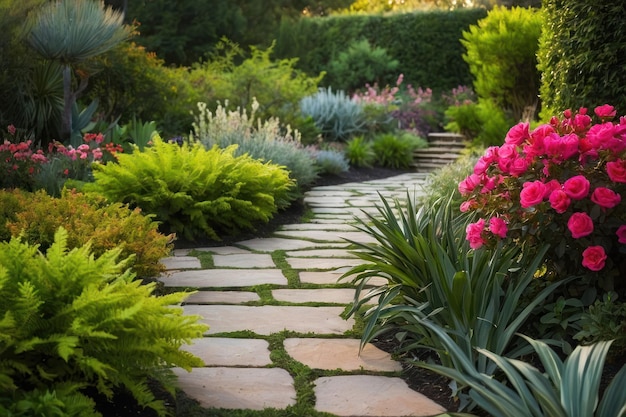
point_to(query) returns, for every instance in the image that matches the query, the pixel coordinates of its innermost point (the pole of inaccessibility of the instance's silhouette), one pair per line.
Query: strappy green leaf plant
(432, 273)
(569, 388)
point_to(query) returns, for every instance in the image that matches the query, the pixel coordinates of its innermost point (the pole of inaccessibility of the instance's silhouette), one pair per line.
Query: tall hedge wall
(582, 55)
(427, 44)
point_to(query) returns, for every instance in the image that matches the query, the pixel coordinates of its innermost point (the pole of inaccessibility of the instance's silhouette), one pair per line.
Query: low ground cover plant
(196, 192)
(74, 324)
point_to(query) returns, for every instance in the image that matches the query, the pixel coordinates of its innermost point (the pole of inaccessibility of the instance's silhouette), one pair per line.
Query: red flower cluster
(561, 183)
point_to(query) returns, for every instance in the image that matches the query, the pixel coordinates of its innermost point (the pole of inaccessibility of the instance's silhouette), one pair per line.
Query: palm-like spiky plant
(73, 31)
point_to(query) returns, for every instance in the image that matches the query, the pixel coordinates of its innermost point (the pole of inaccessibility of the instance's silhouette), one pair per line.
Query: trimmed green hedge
(581, 55)
(427, 44)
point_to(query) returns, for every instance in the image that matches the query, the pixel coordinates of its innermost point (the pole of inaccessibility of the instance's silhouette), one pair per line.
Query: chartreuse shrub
(268, 140)
(502, 57)
(86, 218)
(196, 192)
(72, 323)
(359, 152)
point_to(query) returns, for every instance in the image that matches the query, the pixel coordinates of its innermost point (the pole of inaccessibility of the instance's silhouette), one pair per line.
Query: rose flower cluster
(563, 183)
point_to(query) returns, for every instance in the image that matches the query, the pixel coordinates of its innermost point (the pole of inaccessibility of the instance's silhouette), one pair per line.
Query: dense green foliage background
(582, 55)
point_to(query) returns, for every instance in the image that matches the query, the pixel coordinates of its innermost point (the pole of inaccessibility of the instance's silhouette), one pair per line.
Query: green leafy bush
(360, 64)
(71, 321)
(86, 218)
(581, 63)
(268, 140)
(276, 84)
(562, 388)
(484, 123)
(396, 150)
(337, 116)
(605, 320)
(443, 183)
(359, 152)
(502, 57)
(196, 192)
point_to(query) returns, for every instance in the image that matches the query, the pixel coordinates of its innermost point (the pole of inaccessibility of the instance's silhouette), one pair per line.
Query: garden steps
(239, 372)
(443, 148)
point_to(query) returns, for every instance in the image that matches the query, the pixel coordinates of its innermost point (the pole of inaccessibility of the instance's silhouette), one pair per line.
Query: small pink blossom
(474, 232)
(559, 201)
(605, 111)
(532, 193)
(580, 225)
(577, 187)
(605, 197)
(11, 129)
(594, 258)
(518, 134)
(469, 184)
(617, 170)
(498, 227)
(621, 234)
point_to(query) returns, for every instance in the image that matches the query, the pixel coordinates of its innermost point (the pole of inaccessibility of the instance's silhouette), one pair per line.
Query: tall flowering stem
(563, 183)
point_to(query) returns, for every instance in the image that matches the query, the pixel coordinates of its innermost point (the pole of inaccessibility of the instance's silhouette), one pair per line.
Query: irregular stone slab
(314, 353)
(223, 297)
(366, 395)
(272, 243)
(321, 278)
(181, 262)
(318, 226)
(238, 388)
(324, 201)
(321, 253)
(181, 252)
(327, 191)
(265, 320)
(321, 263)
(321, 295)
(225, 250)
(328, 236)
(222, 351)
(224, 278)
(248, 260)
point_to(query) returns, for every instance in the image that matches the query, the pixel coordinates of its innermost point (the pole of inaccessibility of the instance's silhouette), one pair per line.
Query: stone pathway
(246, 298)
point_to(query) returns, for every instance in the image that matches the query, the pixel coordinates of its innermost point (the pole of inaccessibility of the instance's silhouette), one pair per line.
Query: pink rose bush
(562, 183)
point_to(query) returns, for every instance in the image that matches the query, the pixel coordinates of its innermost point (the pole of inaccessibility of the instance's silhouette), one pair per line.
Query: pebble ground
(239, 372)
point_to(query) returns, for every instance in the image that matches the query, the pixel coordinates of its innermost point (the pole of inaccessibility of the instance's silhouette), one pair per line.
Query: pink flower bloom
(621, 234)
(617, 170)
(580, 224)
(498, 227)
(577, 187)
(581, 121)
(518, 134)
(481, 166)
(605, 197)
(594, 258)
(599, 136)
(11, 129)
(97, 154)
(474, 232)
(469, 184)
(466, 206)
(532, 193)
(561, 148)
(605, 111)
(519, 166)
(559, 201)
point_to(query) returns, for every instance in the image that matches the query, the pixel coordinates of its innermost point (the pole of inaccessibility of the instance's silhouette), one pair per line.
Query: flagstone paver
(223, 297)
(239, 388)
(239, 372)
(265, 320)
(343, 354)
(222, 351)
(369, 395)
(224, 278)
(248, 260)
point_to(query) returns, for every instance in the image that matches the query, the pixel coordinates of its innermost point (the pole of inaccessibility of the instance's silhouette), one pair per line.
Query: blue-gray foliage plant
(336, 115)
